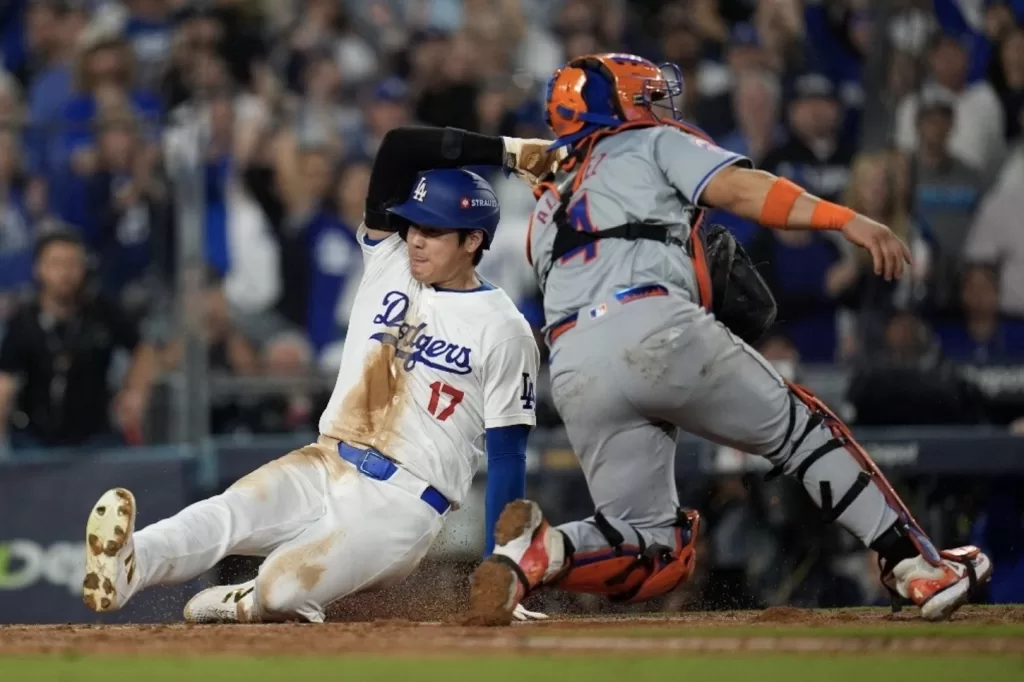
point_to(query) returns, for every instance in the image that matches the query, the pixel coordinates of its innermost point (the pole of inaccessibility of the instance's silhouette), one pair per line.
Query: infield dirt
(975, 630)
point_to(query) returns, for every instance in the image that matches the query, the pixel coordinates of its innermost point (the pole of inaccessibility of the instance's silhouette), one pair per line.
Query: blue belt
(625, 296)
(378, 467)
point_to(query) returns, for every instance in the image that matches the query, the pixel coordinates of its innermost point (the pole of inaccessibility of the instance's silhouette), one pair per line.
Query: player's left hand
(888, 252)
(530, 159)
(522, 614)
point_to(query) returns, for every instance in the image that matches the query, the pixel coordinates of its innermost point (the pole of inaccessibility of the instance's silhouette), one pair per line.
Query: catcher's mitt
(741, 300)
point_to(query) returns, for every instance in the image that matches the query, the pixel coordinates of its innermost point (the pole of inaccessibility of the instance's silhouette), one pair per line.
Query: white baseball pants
(327, 531)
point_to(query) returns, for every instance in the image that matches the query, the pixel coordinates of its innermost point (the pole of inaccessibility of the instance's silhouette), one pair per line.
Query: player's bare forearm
(780, 204)
(747, 193)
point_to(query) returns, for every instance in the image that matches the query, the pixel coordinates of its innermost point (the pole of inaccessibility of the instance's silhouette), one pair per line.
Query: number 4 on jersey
(436, 389)
(578, 216)
(529, 396)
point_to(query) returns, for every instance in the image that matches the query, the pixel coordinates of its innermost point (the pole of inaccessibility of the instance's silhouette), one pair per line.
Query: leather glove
(530, 158)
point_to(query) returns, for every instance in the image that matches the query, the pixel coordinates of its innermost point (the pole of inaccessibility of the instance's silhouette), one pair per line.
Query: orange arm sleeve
(781, 198)
(778, 203)
(829, 216)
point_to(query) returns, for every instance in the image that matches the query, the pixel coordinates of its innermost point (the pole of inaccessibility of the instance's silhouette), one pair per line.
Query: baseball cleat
(110, 575)
(529, 552)
(940, 590)
(222, 604)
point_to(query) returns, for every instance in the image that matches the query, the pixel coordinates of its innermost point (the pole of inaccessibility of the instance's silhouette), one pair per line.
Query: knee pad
(632, 573)
(842, 438)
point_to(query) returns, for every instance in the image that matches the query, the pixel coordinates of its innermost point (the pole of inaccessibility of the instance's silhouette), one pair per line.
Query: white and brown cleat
(528, 553)
(110, 575)
(222, 604)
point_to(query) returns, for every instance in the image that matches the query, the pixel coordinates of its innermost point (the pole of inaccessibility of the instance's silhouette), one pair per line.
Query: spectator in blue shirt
(148, 28)
(756, 100)
(53, 28)
(837, 44)
(104, 75)
(335, 257)
(17, 235)
(127, 210)
(387, 106)
(980, 38)
(315, 221)
(756, 103)
(982, 334)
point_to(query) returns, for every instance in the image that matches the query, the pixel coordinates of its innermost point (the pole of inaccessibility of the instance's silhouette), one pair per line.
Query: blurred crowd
(255, 123)
(121, 120)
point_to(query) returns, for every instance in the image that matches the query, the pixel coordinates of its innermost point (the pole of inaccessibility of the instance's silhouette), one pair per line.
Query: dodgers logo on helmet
(413, 344)
(452, 199)
(419, 193)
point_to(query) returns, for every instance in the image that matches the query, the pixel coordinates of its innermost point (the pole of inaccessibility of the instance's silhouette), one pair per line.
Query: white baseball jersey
(425, 371)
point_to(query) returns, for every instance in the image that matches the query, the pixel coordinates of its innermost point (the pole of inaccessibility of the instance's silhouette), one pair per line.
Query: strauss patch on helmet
(476, 203)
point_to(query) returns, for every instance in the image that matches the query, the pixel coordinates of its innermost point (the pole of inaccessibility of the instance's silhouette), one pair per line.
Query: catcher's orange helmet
(608, 90)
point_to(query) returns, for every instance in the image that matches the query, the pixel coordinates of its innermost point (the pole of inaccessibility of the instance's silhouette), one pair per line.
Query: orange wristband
(779, 202)
(829, 216)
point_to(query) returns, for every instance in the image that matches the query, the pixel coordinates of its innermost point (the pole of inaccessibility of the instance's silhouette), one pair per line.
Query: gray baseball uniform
(634, 357)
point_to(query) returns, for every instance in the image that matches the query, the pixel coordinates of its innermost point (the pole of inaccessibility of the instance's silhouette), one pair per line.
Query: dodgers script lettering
(411, 342)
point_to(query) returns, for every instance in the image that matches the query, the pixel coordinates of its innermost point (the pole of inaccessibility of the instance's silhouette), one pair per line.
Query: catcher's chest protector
(729, 284)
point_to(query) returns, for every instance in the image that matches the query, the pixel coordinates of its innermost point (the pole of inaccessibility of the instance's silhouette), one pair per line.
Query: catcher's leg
(259, 512)
(639, 544)
(603, 555)
(726, 392)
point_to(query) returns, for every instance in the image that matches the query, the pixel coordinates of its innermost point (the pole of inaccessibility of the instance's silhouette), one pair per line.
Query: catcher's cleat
(222, 604)
(529, 552)
(939, 590)
(110, 575)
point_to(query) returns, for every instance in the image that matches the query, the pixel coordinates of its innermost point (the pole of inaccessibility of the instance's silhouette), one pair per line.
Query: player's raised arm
(408, 150)
(778, 203)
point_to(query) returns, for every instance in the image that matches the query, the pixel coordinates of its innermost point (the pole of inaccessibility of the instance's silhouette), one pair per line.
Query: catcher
(649, 318)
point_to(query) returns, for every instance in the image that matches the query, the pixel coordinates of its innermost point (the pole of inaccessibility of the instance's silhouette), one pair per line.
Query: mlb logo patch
(464, 203)
(704, 144)
(598, 311)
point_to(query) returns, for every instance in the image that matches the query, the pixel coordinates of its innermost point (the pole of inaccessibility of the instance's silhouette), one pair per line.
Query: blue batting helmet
(452, 199)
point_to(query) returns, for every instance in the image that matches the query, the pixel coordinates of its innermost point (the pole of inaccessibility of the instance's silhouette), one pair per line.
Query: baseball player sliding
(644, 342)
(438, 364)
